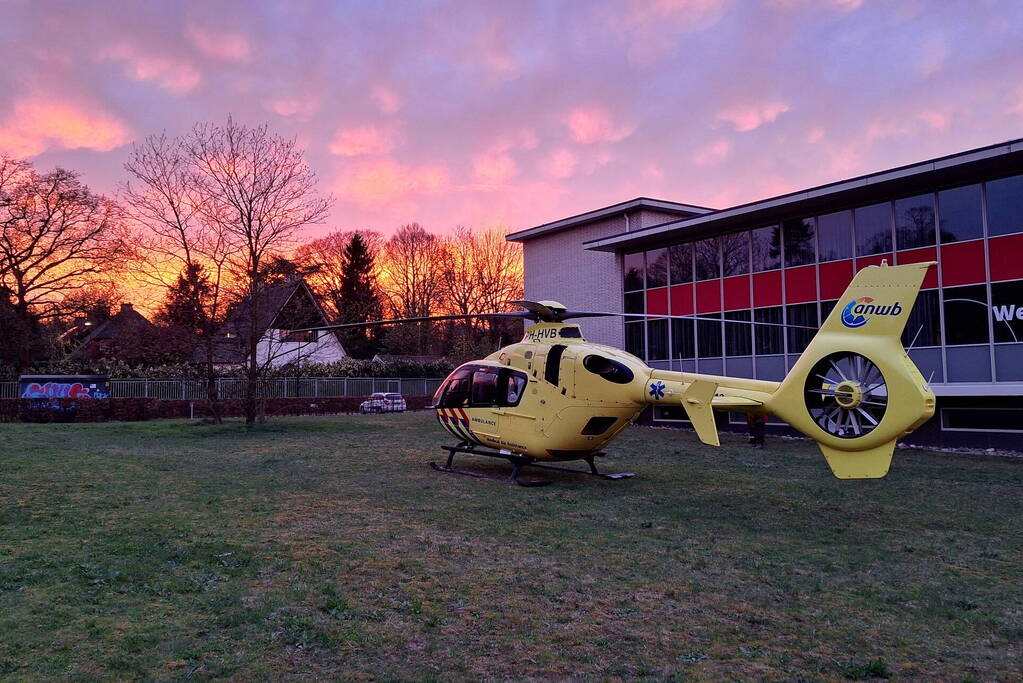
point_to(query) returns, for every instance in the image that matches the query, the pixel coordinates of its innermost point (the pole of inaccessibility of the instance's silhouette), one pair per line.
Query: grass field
(324, 547)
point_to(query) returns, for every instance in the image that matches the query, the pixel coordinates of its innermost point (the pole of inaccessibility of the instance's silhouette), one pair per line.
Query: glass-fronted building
(785, 261)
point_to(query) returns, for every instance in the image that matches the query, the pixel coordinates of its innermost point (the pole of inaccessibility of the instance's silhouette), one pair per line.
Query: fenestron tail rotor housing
(846, 395)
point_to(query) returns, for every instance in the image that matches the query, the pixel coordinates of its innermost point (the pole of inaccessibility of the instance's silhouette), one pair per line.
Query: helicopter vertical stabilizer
(854, 389)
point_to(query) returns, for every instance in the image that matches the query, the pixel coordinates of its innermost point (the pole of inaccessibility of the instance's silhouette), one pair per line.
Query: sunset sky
(516, 113)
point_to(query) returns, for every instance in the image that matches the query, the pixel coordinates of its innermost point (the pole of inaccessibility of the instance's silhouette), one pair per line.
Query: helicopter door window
(516, 386)
(484, 389)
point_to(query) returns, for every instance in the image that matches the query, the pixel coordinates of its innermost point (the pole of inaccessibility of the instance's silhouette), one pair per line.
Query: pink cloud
(494, 169)
(175, 76)
(386, 99)
(299, 107)
(362, 141)
(713, 152)
(596, 124)
(560, 164)
(378, 183)
(935, 120)
(747, 117)
(38, 124)
(225, 45)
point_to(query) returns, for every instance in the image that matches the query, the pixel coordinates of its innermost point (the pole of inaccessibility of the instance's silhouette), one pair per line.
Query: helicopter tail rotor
(855, 390)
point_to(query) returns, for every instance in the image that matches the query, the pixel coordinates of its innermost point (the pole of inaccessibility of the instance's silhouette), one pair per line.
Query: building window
(299, 337)
(873, 229)
(735, 254)
(766, 248)
(800, 242)
(634, 338)
(671, 413)
(633, 271)
(634, 302)
(959, 214)
(982, 419)
(738, 336)
(768, 339)
(834, 236)
(1005, 206)
(657, 340)
(680, 260)
(966, 315)
(708, 259)
(683, 333)
(923, 326)
(803, 318)
(1007, 311)
(826, 308)
(708, 336)
(656, 268)
(914, 222)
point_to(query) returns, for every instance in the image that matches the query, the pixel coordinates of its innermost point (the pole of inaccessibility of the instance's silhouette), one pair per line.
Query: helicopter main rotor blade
(422, 319)
(594, 314)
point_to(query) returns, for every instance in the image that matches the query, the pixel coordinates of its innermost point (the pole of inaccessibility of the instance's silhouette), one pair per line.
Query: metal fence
(280, 387)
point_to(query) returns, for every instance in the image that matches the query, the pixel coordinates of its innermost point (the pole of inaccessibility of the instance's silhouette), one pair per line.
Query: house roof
(950, 170)
(233, 337)
(597, 214)
(125, 322)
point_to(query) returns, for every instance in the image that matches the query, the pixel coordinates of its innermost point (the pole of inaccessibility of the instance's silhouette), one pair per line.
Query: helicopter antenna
(919, 330)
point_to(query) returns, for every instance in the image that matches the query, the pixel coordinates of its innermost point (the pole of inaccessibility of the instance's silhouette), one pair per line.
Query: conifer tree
(357, 298)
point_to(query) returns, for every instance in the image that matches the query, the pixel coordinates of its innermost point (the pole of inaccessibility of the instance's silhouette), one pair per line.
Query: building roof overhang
(598, 214)
(960, 168)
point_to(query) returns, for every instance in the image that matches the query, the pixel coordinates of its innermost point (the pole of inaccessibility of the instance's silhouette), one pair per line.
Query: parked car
(381, 402)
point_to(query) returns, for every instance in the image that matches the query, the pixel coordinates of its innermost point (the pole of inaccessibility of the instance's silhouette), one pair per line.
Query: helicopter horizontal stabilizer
(872, 463)
(696, 400)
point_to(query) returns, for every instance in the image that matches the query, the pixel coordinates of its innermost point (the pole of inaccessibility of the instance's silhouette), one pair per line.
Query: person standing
(757, 423)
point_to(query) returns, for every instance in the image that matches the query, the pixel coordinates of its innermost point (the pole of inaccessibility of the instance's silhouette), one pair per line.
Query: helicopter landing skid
(518, 462)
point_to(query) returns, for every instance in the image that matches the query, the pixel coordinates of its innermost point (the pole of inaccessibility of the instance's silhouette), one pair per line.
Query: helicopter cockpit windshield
(481, 386)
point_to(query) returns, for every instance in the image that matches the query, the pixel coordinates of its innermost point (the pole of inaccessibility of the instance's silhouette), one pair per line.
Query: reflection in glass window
(1007, 311)
(803, 318)
(834, 236)
(766, 248)
(680, 261)
(738, 336)
(923, 326)
(657, 339)
(708, 259)
(800, 245)
(484, 388)
(768, 339)
(966, 315)
(633, 271)
(959, 214)
(708, 336)
(634, 338)
(683, 334)
(914, 222)
(735, 254)
(656, 268)
(826, 308)
(1005, 206)
(635, 302)
(873, 229)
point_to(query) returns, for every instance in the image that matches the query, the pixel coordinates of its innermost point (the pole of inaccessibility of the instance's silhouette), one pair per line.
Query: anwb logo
(856, 312)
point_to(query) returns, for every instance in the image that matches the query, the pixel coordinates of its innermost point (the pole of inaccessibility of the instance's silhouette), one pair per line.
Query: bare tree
(179, 249)
(413, 267)
(257, 187)
(57, 236)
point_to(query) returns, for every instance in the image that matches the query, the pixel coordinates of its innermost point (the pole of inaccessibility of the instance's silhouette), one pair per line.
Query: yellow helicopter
(554, 396)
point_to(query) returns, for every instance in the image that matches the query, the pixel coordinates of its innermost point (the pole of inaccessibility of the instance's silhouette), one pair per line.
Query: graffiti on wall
(56, 398)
